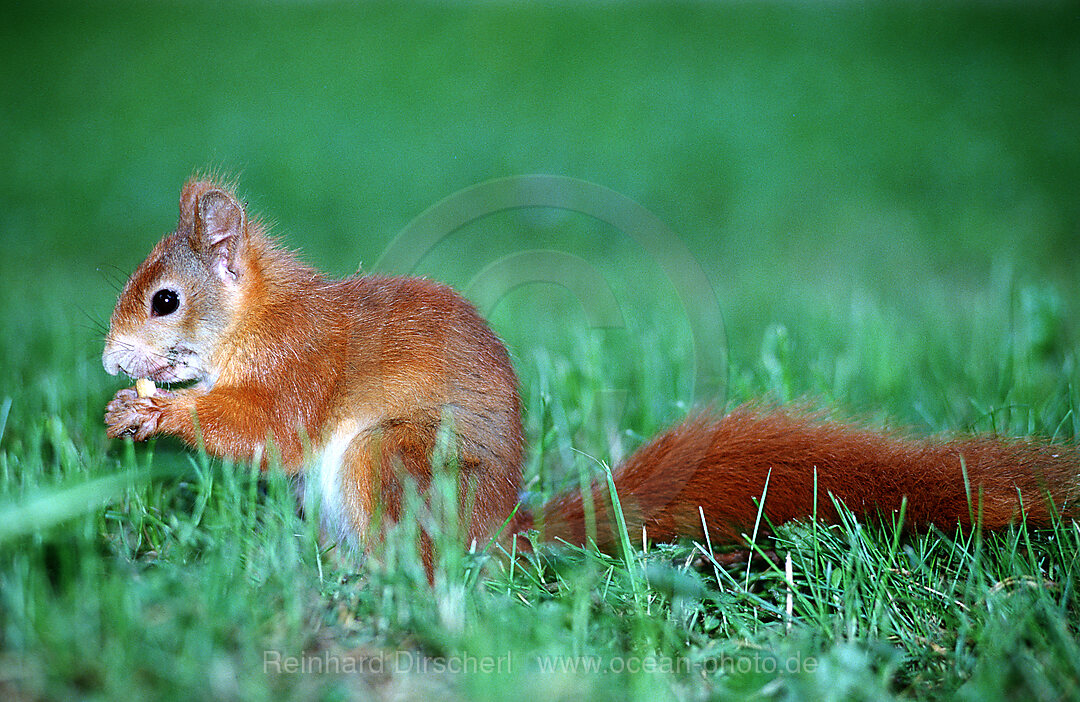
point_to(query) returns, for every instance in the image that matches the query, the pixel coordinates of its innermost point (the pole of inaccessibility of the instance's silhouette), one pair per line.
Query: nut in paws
(129, 415)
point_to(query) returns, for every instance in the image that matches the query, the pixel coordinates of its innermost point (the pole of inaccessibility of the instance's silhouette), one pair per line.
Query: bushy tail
(721, 466)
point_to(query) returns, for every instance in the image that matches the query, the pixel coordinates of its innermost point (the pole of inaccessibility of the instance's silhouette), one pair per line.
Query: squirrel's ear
(219, 233)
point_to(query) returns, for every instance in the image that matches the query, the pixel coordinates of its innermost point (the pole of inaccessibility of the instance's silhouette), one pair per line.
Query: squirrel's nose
(109, 360)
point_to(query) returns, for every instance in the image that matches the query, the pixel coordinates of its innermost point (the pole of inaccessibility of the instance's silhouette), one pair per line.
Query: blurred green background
(819, 160)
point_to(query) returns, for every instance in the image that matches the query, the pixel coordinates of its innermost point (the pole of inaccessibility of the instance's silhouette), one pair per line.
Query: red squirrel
(350, 381)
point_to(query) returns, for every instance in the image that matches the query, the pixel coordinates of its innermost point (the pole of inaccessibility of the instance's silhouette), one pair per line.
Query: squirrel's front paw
(132, 416)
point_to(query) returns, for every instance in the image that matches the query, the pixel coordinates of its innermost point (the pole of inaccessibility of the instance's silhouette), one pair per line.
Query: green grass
(882, 198)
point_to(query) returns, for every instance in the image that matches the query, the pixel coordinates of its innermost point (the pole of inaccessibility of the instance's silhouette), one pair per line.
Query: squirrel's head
(179, 303)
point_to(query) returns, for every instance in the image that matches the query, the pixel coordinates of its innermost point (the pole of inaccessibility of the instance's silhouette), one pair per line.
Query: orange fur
(728, 466)
(352, 380)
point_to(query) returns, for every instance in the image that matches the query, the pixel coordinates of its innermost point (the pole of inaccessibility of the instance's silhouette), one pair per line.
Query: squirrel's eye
(164, 302)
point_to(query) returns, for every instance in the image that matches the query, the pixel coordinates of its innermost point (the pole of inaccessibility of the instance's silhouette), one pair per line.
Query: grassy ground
(880, 199)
